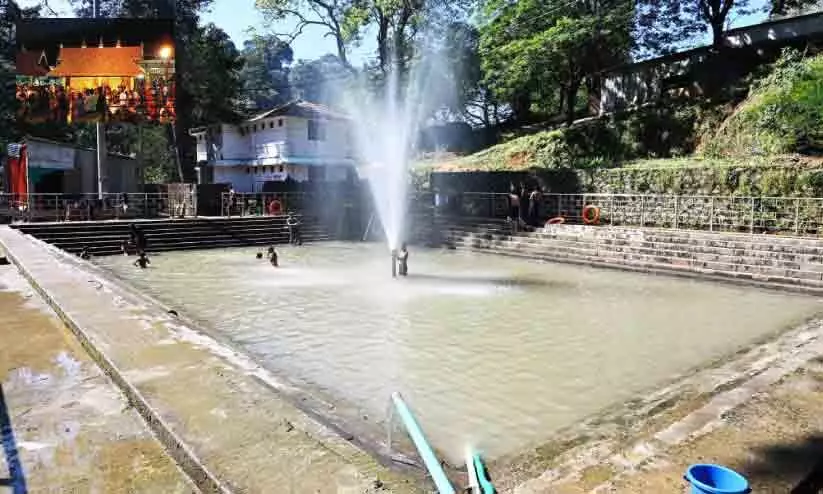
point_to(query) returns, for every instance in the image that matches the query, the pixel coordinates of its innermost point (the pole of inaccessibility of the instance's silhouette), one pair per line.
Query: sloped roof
(32, 63)
(98, 62)
(299, 108)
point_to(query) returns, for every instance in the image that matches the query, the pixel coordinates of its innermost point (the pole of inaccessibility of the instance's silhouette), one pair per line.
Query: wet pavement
(65, 427)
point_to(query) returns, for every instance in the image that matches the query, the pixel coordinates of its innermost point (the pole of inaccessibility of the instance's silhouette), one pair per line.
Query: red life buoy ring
(275, 207)
(557, 220)
(591, 219)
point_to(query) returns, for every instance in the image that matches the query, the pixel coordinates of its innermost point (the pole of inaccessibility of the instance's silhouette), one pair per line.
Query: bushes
(773, 179)
(783, 114)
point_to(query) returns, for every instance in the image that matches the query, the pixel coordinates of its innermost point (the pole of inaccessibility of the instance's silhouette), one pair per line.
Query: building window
(271, 124)
(254, 128)
(280, 122)
(248, 170)
(280, 169)
(317, 130)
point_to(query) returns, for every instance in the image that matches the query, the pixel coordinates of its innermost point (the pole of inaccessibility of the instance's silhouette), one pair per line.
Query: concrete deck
(216, 412)
(65, 427)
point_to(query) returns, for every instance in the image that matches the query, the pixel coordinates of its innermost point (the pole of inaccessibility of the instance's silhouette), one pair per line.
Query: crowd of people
(56, 103)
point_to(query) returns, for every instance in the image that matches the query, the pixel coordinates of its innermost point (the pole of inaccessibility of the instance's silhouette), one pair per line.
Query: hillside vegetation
(783, 115)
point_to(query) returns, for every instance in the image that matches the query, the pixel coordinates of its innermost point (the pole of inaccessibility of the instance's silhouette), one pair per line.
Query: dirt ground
(65, 427)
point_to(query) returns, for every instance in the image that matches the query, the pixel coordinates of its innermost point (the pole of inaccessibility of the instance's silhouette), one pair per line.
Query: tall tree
(340, 19)
(265, 72)
(10, 13)
(471, 98)
(323, 80)
(534, 47)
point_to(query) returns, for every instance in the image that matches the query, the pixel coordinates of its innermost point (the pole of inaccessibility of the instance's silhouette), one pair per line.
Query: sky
(237, 16)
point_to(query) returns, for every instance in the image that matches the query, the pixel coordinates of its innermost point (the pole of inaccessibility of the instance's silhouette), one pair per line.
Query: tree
(10, 13)
(537, 49)
(321, 81)
(472, 99)
(340, 19)
(265, 72)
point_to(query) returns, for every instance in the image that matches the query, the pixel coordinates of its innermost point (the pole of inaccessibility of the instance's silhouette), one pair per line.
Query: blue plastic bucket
(714, 479)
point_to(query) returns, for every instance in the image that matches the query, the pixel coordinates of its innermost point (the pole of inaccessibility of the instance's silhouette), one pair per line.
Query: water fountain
(386, 124)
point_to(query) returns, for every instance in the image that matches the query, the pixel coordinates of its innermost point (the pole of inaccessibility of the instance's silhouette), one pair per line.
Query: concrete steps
(779, 261)
(106, 238)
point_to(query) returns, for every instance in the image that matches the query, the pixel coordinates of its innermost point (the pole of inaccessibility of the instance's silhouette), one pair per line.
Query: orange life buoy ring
(275, 207)
(591, 219)
(557, 220)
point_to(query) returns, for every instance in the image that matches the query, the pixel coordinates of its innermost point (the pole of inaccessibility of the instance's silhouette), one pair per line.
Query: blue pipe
(432, 464)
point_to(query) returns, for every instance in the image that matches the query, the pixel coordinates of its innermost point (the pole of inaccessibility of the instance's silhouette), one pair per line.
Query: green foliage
(783, 113)
(542, 50)
(265, 72)
(717, 177)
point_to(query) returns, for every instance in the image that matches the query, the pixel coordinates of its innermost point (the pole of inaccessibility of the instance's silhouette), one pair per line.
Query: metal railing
(786, 215)
(260, 204)
(86, 207)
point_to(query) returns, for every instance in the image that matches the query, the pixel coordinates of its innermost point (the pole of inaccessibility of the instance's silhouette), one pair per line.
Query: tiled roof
(299, 108)
(32, 63)
(98, 62)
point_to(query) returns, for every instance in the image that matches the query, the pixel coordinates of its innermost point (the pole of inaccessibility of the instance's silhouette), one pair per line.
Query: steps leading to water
(765, 259)
(107, 237)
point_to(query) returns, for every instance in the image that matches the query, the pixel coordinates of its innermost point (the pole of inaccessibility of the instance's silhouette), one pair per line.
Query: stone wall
(785, 179)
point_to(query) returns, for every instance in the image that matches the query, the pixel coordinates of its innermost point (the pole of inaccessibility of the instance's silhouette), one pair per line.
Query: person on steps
(85, 254)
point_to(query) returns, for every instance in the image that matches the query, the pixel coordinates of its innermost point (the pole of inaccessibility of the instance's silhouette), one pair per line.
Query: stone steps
(780, 261)
(106, 238)
(647, 266)
(677, 250)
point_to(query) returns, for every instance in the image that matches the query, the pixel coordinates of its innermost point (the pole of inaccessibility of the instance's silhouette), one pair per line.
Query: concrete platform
(217, 413)
(65, 427)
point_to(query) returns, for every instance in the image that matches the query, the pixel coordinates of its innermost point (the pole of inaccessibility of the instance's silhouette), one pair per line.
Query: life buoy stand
(557, 220)
(275, 207)
(591, 215)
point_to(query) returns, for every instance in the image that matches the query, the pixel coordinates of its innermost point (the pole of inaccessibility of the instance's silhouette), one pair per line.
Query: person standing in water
(294, 230)
(403, 260)
(143, 261)
(273, 257)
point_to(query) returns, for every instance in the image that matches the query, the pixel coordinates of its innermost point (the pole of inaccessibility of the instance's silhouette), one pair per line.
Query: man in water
(85, 254)
(143, 261)
(273, 257)
(259, 255)
(403, 260)
(294, 230)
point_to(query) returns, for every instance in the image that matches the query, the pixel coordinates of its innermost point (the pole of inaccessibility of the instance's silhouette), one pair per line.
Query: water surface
(499, 352)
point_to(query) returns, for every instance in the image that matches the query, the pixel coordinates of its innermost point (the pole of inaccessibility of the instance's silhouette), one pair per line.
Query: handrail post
(642, 210)
(711, 214)
(797, 216)
(751, 215)
(676, 210)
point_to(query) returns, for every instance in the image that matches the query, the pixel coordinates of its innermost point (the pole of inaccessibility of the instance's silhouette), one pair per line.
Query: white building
(298, 141)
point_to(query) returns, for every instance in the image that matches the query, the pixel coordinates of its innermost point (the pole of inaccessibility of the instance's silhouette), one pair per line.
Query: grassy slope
(783, 115)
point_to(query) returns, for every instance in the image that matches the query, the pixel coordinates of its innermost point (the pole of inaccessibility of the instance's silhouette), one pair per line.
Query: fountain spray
(386, 125)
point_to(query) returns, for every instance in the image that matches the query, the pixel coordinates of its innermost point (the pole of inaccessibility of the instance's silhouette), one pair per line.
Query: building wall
(336, 144)
(235, 146)
(251, 178)
(121, 174)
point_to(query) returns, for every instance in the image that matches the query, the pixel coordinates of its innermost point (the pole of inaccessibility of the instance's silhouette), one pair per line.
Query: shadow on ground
(800, 464)
(16, 479)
